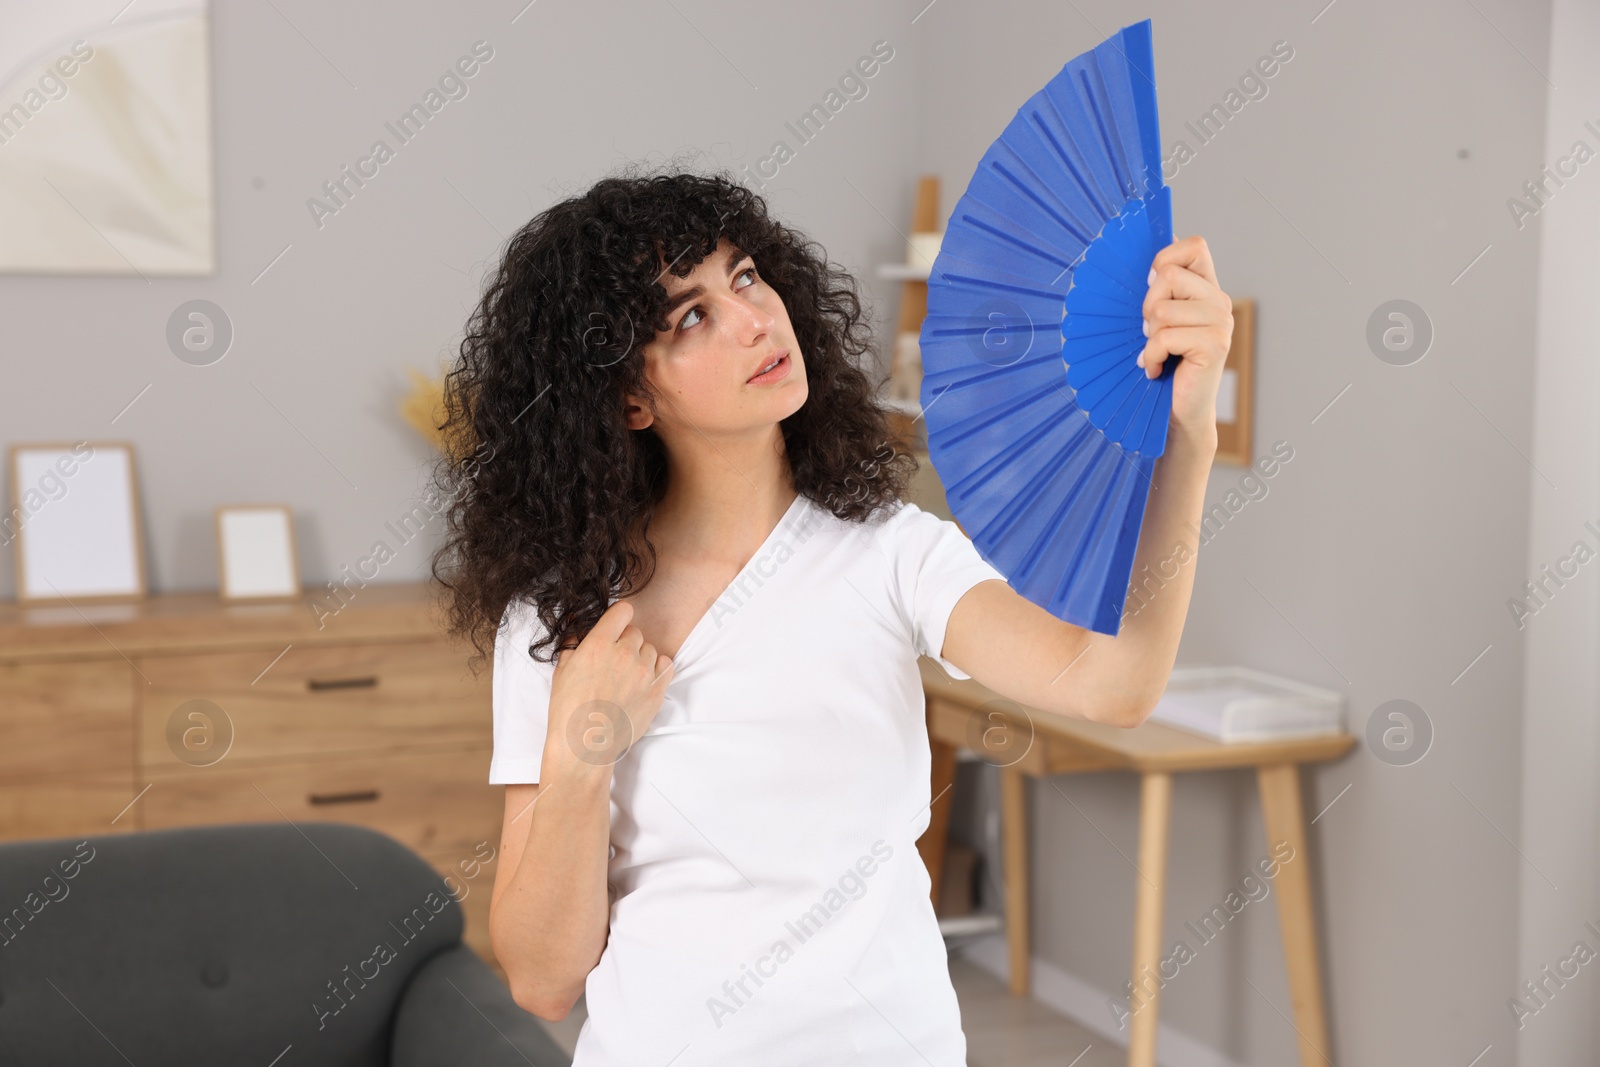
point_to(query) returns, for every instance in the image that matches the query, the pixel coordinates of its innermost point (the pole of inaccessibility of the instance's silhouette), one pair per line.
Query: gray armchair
(263, 944)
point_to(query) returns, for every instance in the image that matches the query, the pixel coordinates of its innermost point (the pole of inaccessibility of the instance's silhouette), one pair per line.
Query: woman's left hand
(1187, 314)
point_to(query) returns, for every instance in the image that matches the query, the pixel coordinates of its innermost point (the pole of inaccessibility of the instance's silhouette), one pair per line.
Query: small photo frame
(74, 523)
(256, 558)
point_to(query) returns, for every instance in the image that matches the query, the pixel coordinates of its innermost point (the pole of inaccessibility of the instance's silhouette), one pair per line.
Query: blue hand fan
(1042, 427)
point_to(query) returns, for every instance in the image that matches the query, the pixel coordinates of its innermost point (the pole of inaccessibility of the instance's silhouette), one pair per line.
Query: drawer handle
(317, 685)
(343, 798)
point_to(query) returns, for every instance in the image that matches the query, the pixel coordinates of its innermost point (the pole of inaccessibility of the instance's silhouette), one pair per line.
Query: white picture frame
(256, 557)
(75, 523)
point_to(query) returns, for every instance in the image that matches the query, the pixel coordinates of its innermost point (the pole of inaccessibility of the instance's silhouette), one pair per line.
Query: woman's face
(725, 326)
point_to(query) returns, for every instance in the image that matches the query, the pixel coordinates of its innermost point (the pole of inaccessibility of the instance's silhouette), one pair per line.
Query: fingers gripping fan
(1041, 425)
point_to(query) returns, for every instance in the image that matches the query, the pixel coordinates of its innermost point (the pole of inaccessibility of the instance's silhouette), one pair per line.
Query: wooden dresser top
(193, 622)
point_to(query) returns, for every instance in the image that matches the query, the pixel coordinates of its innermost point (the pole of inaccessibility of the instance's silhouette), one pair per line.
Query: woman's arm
(1021, 651)
(548, 917)
(550, 909)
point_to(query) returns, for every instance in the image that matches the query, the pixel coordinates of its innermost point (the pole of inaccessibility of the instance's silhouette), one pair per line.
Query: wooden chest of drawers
(181, 710)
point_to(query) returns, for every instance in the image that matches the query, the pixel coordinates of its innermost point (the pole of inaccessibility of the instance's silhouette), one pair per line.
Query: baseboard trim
(1085, 1005)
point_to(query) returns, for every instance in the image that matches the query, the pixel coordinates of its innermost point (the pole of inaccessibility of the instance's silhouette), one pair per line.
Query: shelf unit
(905, 378)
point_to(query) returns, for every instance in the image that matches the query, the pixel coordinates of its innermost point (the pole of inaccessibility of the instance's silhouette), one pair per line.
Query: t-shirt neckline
(705, 618)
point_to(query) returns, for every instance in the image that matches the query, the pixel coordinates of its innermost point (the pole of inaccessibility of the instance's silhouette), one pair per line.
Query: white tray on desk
(1239, 704)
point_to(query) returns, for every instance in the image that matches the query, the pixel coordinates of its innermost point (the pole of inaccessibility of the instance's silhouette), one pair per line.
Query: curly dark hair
(545, 483)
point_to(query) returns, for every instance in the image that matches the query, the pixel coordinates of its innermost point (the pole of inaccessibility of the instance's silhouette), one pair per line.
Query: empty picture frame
(75, 524)
(256, 559)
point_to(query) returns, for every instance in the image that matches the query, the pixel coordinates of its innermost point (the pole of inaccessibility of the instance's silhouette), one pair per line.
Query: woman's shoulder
(520, 626)
(904, 519)
(896, 522)
(817, 522)
(888, 512)
(520, 612)
(916, 538)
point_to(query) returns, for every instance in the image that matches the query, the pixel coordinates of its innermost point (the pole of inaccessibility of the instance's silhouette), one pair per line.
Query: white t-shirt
(770, 905)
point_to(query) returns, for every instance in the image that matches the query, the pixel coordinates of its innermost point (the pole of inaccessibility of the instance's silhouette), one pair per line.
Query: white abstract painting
(105, 138)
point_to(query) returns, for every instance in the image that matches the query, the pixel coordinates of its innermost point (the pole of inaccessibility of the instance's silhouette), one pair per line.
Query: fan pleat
(1059, 213)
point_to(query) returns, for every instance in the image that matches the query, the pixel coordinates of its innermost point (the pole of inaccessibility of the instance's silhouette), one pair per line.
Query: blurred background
(1426, 153)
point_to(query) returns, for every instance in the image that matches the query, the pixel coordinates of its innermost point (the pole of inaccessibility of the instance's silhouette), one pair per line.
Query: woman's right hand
(604, 694)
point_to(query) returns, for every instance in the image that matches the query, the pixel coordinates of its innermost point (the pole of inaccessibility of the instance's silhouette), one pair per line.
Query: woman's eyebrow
(694, 292)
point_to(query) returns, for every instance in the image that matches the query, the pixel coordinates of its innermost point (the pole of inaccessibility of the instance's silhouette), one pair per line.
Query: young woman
(677, 521)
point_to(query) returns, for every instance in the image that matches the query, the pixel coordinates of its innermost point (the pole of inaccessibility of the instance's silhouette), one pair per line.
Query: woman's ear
(637, 412)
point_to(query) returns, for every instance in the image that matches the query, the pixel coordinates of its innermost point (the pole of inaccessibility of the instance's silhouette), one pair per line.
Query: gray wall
(1376, 167)
(302, 410)
(1560, 686)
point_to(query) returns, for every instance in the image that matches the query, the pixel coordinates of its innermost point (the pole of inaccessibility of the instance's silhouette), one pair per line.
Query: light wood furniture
(372, 718)
(904, 382)
(1236, 436)
(1063, 745)
(925, 219)
(933, 844)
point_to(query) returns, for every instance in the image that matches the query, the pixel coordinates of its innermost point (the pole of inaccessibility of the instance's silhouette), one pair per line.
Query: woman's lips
(775, 374)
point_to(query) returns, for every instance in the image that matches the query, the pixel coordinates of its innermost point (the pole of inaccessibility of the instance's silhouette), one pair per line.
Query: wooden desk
(1023, 742)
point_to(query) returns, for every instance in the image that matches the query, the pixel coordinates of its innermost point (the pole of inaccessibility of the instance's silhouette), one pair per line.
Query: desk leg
(1014, 835)
(1285, 821)
(1155, 812)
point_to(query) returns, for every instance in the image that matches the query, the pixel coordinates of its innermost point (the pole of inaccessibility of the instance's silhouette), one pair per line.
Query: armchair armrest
(456, 1010)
